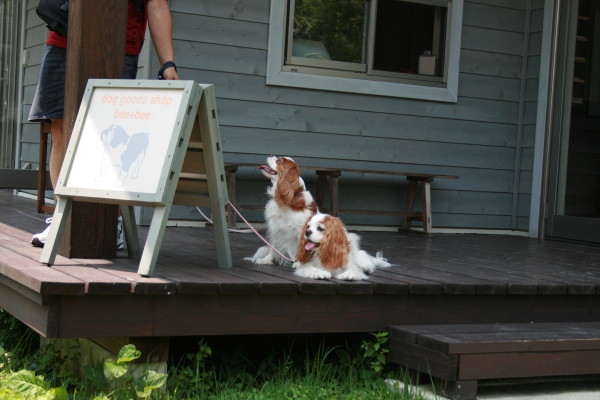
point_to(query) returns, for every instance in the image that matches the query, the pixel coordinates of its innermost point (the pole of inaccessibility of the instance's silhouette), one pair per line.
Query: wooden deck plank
(139, 284)
(416, 285)
(505, 342)
(454, 282)
(189, 283)
(384, 285)
(305, 285)
(96, 281)
(242, 281)
(410, 333)
(37, 277)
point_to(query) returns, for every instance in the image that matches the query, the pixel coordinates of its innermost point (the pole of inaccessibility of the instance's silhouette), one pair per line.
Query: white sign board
(123, 137)
(123, 141)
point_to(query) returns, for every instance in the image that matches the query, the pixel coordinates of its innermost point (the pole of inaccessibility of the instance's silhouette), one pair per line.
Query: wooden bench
(458, 356)
(330, 177)
(24, 179)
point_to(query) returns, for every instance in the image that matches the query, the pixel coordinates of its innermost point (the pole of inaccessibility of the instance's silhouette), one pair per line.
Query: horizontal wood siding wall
(224, 42)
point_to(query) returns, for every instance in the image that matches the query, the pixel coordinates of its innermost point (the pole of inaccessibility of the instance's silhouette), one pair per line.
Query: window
(404, 48)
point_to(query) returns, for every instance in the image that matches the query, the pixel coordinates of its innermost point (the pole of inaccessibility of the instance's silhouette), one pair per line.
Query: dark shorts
(49, 99)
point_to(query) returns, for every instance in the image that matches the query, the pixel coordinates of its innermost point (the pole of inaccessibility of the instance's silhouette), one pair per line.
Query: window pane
(406, 31)
(330, 30)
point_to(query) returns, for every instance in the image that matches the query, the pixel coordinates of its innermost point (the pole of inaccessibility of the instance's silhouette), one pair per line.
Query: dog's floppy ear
(287, 183)
(302, 254)
(335, 246)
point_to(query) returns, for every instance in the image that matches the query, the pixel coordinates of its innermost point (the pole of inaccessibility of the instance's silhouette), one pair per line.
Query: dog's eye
(320, 228)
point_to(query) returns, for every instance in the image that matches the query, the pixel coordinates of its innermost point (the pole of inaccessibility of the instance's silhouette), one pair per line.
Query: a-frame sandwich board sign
(131, 146)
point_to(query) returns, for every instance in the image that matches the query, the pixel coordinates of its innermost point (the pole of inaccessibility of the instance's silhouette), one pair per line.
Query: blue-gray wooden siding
(486, 137)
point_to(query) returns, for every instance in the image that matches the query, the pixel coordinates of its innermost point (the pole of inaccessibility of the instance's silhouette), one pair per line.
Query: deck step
(457, 356)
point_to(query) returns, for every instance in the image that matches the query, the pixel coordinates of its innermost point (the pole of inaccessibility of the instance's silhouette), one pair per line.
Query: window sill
(361, 86)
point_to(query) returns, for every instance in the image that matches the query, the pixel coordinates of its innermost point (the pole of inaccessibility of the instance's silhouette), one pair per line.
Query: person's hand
(170, 74)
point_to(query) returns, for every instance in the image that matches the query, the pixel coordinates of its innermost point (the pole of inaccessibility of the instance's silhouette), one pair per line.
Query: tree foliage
(338, 24)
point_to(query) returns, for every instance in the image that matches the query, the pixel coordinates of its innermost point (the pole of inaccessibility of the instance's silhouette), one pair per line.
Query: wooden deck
(447, 278)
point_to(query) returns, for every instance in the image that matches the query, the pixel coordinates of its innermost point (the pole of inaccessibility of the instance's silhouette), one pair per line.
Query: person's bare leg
(56, 152)
(56, 159)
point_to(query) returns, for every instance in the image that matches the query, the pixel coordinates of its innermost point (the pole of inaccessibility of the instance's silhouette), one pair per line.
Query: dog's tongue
(268, 169)
(310, 246)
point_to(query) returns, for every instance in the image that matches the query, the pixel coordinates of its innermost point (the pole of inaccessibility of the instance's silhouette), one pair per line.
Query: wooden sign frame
(175, 158)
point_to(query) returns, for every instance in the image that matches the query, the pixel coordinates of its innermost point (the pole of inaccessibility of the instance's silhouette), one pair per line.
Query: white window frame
(278, 75)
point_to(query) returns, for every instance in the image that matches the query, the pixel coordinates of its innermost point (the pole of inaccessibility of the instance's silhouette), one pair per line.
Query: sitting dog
(286, 212)
(326, 250)
(123, 153)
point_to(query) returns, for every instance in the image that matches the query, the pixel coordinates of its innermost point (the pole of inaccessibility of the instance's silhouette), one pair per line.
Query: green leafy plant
(194, 377)
(119, 374)
(375, 351)
(25, 384)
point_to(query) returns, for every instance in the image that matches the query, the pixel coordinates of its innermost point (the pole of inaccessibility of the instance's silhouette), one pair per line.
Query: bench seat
(329, 177)
(457, 356)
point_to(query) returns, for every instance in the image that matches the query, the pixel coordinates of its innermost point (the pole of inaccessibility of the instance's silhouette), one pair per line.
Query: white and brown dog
(327, 250)
(286, 212)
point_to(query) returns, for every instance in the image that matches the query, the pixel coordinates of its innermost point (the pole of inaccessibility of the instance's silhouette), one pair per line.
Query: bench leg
(230, 176)
(333, 191)
(410, 202)
(321, 184)
(411, 194)
(427, 206)
(456, 390)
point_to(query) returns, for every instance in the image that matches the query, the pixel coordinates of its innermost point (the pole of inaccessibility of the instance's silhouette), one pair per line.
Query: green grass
(277, 367)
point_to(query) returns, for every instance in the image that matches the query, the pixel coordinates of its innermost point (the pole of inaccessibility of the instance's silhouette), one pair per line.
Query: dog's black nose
(308, 233)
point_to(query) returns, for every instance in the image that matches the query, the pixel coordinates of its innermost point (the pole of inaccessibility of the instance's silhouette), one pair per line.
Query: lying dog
(286, 212)
(123, 153)
(326, 250)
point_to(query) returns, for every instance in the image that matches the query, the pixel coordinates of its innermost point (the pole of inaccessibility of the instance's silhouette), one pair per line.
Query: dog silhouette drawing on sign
(122, 152)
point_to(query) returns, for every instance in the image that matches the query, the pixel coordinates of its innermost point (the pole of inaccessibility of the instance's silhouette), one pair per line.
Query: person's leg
(131, 66)
(48, 105)
(57, 151)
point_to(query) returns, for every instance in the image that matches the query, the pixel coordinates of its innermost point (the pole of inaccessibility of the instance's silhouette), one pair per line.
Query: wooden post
(96, 49)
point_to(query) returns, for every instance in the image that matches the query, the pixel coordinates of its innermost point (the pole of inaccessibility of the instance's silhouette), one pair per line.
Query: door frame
(557, 225)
